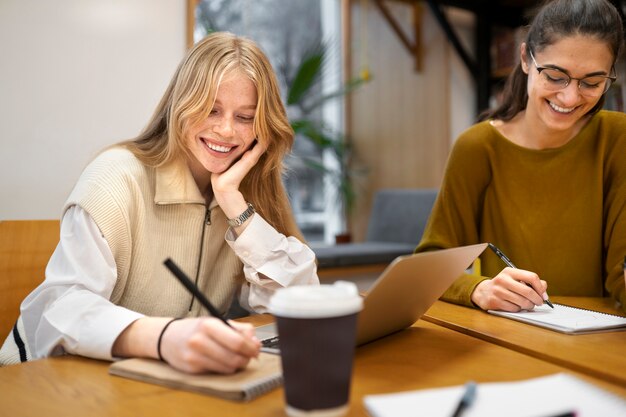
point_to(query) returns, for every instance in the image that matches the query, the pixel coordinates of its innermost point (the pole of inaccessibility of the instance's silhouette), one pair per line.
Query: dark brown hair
(555, 20)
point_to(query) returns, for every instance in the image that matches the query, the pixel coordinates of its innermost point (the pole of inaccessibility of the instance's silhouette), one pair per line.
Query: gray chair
(395, 228)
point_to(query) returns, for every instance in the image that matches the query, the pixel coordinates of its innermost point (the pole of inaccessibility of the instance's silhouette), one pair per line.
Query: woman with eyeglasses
(543, 176)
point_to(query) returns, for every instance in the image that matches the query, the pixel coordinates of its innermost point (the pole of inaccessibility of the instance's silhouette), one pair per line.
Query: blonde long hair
(190, 97)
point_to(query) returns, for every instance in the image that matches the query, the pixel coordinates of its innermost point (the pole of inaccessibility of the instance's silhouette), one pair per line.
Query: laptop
(401, 295)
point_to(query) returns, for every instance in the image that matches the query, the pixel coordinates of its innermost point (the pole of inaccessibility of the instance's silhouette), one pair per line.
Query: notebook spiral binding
(261, 386)
(591, 311)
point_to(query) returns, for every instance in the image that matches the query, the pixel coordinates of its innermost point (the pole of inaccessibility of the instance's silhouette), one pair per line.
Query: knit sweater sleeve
(615, 206)
(456, 214)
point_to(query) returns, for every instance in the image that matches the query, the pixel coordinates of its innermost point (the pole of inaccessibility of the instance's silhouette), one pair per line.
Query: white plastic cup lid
(316, 301)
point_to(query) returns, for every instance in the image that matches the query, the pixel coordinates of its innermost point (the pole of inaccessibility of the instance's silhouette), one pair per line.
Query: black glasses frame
(610, 78)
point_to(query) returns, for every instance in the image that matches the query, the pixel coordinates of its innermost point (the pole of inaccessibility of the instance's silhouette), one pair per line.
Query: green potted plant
(303, 94)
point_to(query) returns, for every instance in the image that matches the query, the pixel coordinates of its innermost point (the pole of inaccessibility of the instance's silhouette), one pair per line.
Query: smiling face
(218, 140)
(578, 56)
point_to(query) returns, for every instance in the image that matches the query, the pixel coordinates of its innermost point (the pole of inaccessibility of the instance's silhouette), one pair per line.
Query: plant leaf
(351, 85)
(307, 74)
(314, 132)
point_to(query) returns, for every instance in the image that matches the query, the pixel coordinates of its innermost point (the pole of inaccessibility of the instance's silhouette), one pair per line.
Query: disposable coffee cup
(317, 332)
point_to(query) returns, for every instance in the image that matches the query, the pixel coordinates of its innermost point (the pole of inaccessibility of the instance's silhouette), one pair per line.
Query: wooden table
(601, 355)
(423, 356)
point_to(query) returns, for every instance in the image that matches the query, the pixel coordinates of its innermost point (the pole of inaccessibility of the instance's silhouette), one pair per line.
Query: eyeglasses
(591, 86)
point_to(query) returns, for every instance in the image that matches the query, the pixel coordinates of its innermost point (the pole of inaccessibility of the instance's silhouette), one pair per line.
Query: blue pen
(466, 400)
(508, 263)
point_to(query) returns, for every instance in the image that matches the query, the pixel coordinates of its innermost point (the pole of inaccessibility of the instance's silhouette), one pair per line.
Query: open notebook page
(567, 319)
(538, 397)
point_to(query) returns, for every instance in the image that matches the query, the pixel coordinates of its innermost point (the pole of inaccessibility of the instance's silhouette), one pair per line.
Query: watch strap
(239, 220)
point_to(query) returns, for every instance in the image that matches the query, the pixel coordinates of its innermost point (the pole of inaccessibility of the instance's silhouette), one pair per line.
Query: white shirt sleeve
(271, 261)
(70, 311)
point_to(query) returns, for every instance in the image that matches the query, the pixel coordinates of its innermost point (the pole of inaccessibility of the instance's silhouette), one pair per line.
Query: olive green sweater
(558, 212)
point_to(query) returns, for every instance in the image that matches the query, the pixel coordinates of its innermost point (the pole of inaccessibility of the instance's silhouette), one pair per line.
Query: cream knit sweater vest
(149, 214)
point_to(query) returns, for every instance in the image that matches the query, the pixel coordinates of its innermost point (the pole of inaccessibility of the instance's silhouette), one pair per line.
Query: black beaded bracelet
(161, 337)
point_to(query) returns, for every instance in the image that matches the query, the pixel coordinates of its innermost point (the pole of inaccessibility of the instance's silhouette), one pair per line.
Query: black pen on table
(193, 289)
(508, 263)
(466, 400)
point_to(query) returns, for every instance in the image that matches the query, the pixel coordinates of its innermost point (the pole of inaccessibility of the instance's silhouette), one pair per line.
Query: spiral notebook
(260, 376)
(566, 319)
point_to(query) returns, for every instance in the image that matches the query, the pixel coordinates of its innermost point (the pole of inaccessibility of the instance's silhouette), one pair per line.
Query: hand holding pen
(510, 264)
(506, 291)
(200, 345)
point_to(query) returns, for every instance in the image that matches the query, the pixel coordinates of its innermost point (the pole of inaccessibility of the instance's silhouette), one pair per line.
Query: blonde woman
(202, 185)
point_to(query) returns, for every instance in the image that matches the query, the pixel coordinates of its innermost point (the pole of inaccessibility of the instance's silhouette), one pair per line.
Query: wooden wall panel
(399, 121)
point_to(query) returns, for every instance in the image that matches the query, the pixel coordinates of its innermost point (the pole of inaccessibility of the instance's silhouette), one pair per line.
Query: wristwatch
(239, 220)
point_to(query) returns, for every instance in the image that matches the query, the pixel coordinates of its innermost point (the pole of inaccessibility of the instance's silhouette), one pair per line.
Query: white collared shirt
(71, 312)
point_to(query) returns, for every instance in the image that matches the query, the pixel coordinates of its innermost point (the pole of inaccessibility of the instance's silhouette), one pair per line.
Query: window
(285, 30)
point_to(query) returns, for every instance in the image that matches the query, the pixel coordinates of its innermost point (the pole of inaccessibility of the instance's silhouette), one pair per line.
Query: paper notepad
(538, 397)
(260, 376)
(567, 319)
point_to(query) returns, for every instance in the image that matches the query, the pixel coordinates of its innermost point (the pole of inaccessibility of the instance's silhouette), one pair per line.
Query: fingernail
(545, 295)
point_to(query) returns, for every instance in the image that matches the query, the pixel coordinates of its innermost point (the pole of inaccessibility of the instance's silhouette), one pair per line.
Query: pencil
(508, 263)
(193, 289)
